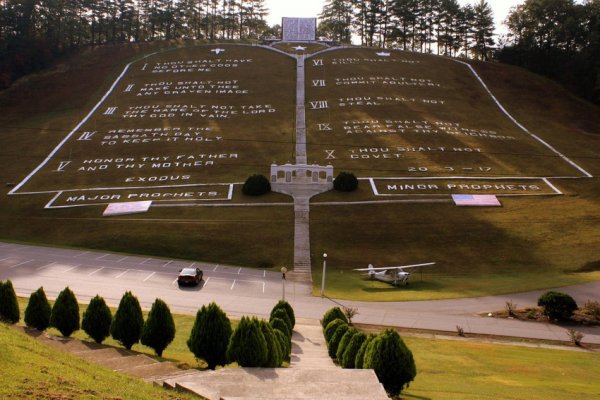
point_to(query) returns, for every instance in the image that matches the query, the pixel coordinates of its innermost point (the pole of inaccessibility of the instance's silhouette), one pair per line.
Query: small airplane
(394, 275)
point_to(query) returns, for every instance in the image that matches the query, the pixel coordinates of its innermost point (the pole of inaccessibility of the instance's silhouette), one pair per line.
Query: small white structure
(299, 29)
(132, 207)
(302, 174)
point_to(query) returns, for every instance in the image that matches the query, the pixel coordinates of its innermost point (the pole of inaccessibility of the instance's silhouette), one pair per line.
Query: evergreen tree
(248, 346)
(336, 338)
(349, 357)
(65, 313)
(362, 351)
(159, 329)
(336, 20)
(344, 342)
(97, 319)
(37, 313)
(284, 305)
(126, 326)
(9, 307)
(391, 360)
(210, 335)
(285, 344)
(278, 323)
(332, 327)
(331, 314)
(275, 355)
(483, 29)
(281, 314)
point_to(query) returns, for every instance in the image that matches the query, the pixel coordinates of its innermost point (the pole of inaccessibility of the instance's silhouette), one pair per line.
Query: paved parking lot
(29, 266)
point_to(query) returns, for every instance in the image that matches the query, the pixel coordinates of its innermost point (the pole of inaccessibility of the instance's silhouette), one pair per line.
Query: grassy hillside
(33, 370)
(399, 116)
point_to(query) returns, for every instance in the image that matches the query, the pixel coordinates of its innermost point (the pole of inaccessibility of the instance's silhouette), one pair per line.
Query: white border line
(565, 158)
(83, 121)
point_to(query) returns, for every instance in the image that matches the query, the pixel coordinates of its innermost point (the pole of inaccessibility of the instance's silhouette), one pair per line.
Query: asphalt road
(244, 291)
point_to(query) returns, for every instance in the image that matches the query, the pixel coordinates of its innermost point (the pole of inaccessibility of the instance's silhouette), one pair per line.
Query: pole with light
(323, 277)
(283, 271)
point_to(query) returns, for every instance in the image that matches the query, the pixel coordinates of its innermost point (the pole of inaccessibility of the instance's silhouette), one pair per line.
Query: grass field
(446, 369)
(529, 243)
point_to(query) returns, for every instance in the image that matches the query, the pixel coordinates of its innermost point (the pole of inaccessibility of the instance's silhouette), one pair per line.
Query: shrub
(557, 305)
(345, 182)
(350, 312)
(159, 329)
(362, 351)
(274, 353)
(127, 325)
(391, 360)
(210, 335)
(256, 185)
(331, 328)
(284, 305)
(349, 356)
(331, 314)
(511, 308)
(336, 338)
(592, 308)
(9, 307)
(248, 346)
(37, 313)
(65, 313)
(278, 323)
(344, 342)
(285, 344)
(97, 319)
(575, 336)
(281, 314)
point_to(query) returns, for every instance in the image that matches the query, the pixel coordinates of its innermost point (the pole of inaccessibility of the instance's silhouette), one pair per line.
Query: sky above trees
(312, 8)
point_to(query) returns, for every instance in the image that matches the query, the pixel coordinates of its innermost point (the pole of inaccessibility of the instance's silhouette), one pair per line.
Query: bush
(592, 308)
(97, 319)
(248, 346)
(274, 354)
(344, 342)
(336, 338)
(331, 314)
(557, 305)
(281, 314)
(331, 328)
(256, 185)
(37, 313)
(278, 323)
(362, 351)
(285, 344)
(210, 335)
(9, 307)
(284, 305)
(65, 313)
(127, 325)
(159, 329)
(345, 182)
(349, 357)
(391, 360)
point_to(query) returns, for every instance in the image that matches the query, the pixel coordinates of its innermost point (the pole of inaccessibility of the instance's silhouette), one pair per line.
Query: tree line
(432, 26)
(559, 39)
(34, 32)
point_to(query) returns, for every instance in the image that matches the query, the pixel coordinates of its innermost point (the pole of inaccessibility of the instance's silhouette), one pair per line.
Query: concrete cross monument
(299, 48)
(383, 54)
(217, 51)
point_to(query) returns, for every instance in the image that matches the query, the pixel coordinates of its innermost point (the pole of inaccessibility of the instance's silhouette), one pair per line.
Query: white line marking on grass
(72, 268)
(565, 158)
(232, 285)
(149, 276)
(22, 263)
(121, 274)
(45, 266)
(93, 272)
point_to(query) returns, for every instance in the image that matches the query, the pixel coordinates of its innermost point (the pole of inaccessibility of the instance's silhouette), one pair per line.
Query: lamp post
(283, 271)
(323, 277)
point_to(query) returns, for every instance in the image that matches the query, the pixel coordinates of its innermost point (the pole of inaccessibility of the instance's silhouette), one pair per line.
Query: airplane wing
(397, 267)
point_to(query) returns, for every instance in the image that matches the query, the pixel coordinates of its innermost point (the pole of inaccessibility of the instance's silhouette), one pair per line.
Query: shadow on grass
(413, 396)
(413, 287)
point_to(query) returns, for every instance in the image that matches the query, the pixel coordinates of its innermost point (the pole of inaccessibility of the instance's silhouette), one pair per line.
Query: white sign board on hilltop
(131, 207)
(299, 29)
